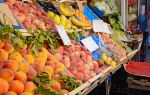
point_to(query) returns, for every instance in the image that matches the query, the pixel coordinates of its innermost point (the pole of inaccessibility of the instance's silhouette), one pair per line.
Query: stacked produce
(82, 18)
(117, 51)
(108, 60)
(39, 64)
(76, 16)
(66, 9)
(18, 69)
(31, 17)
(60, 20)
(79, 61)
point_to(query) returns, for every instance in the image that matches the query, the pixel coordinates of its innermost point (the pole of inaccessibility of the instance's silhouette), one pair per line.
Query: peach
(16, 86)
(11, 64)
(29, 58)
(86, 77)
(58, 70)
(1, 63)
(40, 60)
(52, 58)
(84, 60)
(26, 93)
(21, 76)
(64, 91)
(73, 71)
(92, 74)
(49, 70)
(58, 56)
(56, 85)
(43, 55)
(60, 65)
(22, 51)
(24, 67)
(1, 44)
(3, 86)
(60, 50)
(11, 93)
(7, 74)
(32, 73)
(66, 61)
(49, 63)
(87, 67)
(3, 54)
(67, 64)
(91, 65)
(29, 86)
(44, 50)
(30, 52)
(89, 58)
(95, 63)
(79, 75)
(77, 54)
(8, 47)
(16, 56)
(80, 68)
(86, 72)
(38, 66)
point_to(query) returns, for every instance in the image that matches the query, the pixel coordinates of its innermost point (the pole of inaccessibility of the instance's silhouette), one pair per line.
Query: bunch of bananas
(76, 22)
(82, 18)
(65, 11)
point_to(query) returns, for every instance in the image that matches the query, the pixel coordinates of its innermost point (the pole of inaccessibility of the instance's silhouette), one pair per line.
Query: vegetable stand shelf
(95, 81)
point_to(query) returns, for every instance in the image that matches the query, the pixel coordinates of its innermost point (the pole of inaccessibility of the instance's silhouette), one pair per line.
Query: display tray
(138, 68)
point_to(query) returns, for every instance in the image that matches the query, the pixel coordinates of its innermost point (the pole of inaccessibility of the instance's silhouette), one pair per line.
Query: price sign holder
(100, 26)
(66, 40)
(90, 44)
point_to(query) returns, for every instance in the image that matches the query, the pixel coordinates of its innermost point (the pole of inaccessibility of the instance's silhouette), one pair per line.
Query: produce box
(89, 14)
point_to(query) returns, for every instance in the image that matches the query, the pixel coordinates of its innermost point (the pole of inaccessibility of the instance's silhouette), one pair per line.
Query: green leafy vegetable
(68, 83)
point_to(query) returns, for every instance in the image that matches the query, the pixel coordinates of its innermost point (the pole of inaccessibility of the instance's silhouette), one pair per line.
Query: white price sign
(90, 44)
(100, 26)
(63, 35)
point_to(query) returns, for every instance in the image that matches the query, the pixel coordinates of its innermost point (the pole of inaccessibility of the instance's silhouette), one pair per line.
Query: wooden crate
(140, 84)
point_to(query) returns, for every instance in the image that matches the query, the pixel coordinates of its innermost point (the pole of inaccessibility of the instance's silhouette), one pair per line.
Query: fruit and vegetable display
(29, 16)
(75, 15)
(117, 51)
(79, 61)
(39, 63)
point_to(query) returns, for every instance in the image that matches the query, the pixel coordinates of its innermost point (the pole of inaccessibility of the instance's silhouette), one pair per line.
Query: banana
(68, 11)
(64, 10)
(76, 22)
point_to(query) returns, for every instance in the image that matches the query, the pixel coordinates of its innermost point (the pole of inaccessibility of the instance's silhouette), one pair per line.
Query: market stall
(61, 47)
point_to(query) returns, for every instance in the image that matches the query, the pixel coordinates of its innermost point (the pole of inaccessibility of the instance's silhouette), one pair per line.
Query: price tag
(100, 26)
(6, 14)
(90, 44)
(63, 35)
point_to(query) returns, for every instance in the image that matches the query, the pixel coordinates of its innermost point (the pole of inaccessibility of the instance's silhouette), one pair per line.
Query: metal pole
(124, 12)
(108, 84)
